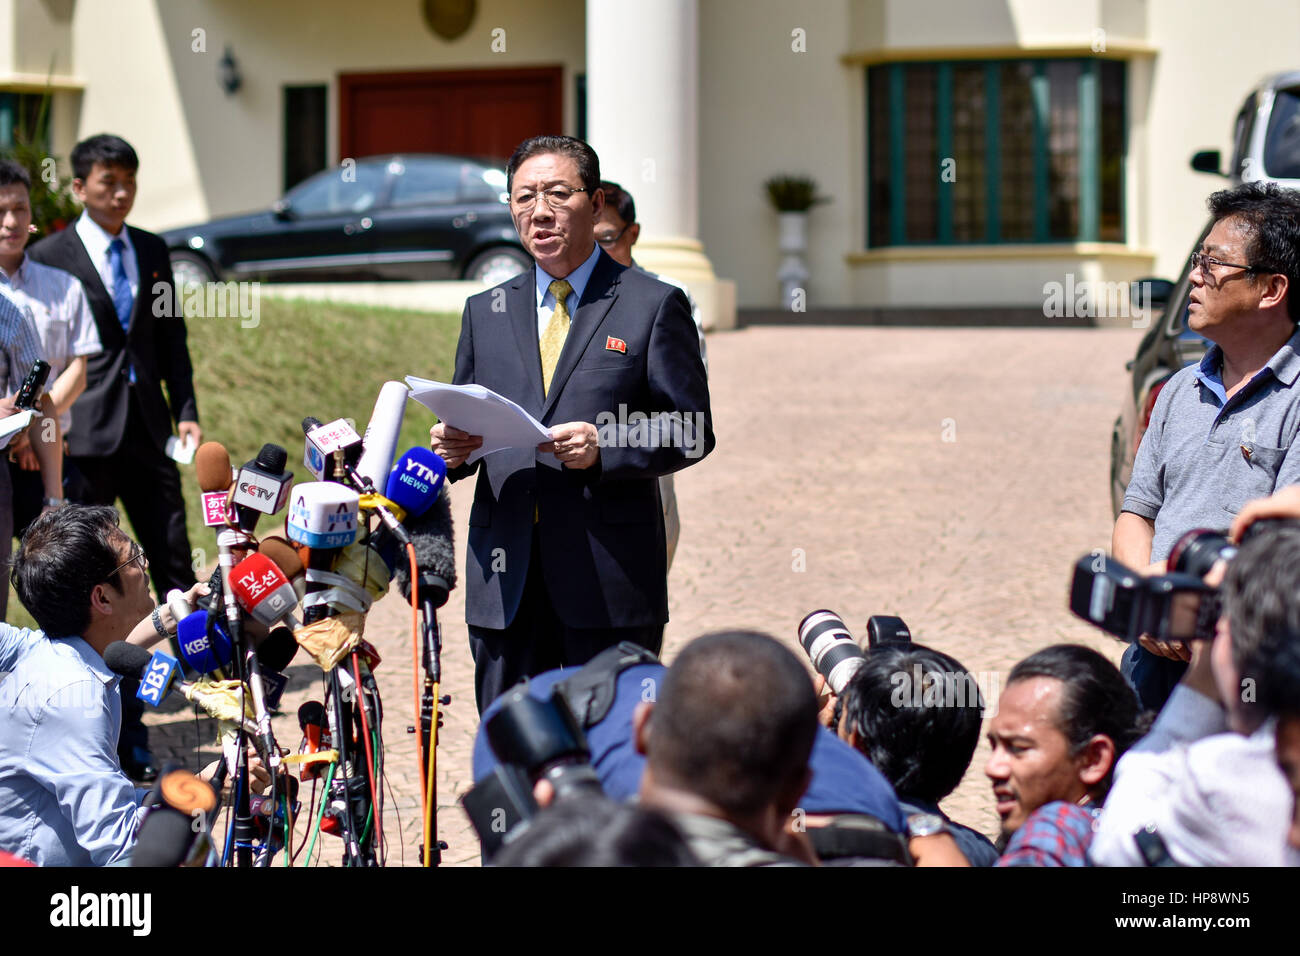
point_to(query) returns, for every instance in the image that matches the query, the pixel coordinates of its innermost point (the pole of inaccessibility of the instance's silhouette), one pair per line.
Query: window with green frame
(995, 151)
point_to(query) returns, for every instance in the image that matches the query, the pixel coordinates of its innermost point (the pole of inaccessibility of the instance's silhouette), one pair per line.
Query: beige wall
(764, 110)
(207, 154)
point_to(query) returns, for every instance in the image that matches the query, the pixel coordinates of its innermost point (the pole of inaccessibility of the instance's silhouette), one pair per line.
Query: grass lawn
(256, 385)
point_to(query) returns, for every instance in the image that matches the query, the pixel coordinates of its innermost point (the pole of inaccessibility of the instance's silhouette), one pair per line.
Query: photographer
(1204, 786)
(923, 749)
(1064, 719)
(64, 800)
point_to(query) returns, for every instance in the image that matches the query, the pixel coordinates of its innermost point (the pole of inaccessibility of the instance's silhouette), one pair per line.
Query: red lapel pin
(615, 345)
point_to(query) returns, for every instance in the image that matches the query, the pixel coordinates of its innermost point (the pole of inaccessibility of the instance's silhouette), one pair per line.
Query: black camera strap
(590, 691)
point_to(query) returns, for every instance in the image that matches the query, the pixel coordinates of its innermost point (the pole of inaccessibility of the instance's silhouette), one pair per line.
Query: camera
(534, 740)
(830, 646)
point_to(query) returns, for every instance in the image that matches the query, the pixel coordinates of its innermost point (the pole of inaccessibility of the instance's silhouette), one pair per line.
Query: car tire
(189, 267)
(497, 264)
(1117, 450)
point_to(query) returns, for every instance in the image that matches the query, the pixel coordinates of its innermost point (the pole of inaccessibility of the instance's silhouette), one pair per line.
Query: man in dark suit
(566, 542)
(121, 422)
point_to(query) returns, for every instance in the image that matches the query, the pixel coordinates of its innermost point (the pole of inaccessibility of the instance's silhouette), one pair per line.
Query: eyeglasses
(1206, 263)
(554, 197)
(610, 240)
(137, 558)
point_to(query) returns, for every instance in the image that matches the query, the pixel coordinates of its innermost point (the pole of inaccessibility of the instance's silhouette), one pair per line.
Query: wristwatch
(925, 824)
(53, 502)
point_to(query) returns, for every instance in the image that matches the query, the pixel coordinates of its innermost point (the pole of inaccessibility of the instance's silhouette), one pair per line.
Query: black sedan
(383, 217)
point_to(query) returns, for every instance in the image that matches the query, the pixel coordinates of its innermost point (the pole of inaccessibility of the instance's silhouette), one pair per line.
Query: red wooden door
(467, 112)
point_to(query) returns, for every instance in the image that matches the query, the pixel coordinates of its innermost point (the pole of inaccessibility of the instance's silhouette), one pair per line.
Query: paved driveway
(949, 477)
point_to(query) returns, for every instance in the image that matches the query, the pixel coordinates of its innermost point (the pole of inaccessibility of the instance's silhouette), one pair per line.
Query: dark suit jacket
(154, 345)
(601, 529)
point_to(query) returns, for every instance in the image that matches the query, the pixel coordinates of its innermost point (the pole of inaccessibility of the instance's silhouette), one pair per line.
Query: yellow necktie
(552, 341)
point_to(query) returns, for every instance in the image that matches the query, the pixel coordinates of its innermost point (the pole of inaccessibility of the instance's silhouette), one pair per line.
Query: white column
(643, 122)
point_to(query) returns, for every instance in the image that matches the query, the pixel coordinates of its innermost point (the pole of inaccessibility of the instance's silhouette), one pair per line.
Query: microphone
(323, 519)
(207, 650)
(127, 660)
(435, 555)
(212, 466)
(415, 481)
(380, 440)
(263, 591)
(262, 486)
(322, 441)
(168, 837)
(315, 737)
(275, 653)
(282, 553)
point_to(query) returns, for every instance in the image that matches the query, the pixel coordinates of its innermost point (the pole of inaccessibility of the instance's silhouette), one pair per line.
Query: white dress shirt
(1216, 798)
(96, 240)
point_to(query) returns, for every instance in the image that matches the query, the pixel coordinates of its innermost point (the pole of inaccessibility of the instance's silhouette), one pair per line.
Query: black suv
(383, 217)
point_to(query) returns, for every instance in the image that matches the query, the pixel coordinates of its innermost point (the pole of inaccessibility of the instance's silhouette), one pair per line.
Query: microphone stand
(430, 720)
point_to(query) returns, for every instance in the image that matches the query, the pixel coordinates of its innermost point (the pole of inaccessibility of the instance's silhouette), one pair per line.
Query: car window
(424, 183)
(1282, 139)
(339, 191)
(479, 184)
(1241, 136)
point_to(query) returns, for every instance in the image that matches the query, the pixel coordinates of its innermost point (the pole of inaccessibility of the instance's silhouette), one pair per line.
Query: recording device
(263, 591)
(322, 441)
(177, 831)
(261, 486)
(1168, 607)
(204, 643)
(29, 393)
(380, 439)
(128, 660)
(830, 646)
(533, 740)
(884, 629)
(1197, 551)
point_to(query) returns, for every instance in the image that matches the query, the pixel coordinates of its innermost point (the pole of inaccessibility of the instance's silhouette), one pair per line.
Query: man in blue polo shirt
(1221, 432)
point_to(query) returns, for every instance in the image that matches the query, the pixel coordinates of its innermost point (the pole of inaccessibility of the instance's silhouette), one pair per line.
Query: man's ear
(1275, 291)
(100, 600)
(1096, 760)
(597, 204)
(641, 726)
(634, 233)
(79, 190)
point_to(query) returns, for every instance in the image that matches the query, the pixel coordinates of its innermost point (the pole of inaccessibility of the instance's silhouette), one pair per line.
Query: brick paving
(950, 477)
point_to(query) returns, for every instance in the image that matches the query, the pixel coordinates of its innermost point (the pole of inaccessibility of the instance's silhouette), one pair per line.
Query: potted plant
(793, 196)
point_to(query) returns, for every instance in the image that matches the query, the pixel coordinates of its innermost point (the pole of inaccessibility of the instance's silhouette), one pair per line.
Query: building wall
(206, 154)
(808, 113)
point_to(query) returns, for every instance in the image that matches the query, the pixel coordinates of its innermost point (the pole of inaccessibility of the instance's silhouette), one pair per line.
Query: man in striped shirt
(64, 322)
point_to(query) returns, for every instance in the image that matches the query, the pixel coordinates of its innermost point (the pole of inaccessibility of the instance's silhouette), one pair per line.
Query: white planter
(793, 273)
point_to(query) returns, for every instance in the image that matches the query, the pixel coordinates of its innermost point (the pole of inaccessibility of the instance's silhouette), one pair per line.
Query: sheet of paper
(480, 411)
(13, 424)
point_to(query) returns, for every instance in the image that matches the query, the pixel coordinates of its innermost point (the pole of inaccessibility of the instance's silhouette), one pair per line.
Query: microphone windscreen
(311, 713)
(435, 553)
(273, 458)
(380, 439)
(165, 839)
(278, 649)
(416, 481)
(212, 465)
(205, 651)
(283, 555)
(126, 660)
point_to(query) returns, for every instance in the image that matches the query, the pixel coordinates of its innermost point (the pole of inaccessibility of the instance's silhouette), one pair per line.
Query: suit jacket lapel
(101, 302)
(521, 307)
(601, 291)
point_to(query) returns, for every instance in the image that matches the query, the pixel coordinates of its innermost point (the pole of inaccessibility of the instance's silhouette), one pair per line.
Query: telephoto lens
(543, 737)
(830, 646)
(1198, 550)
